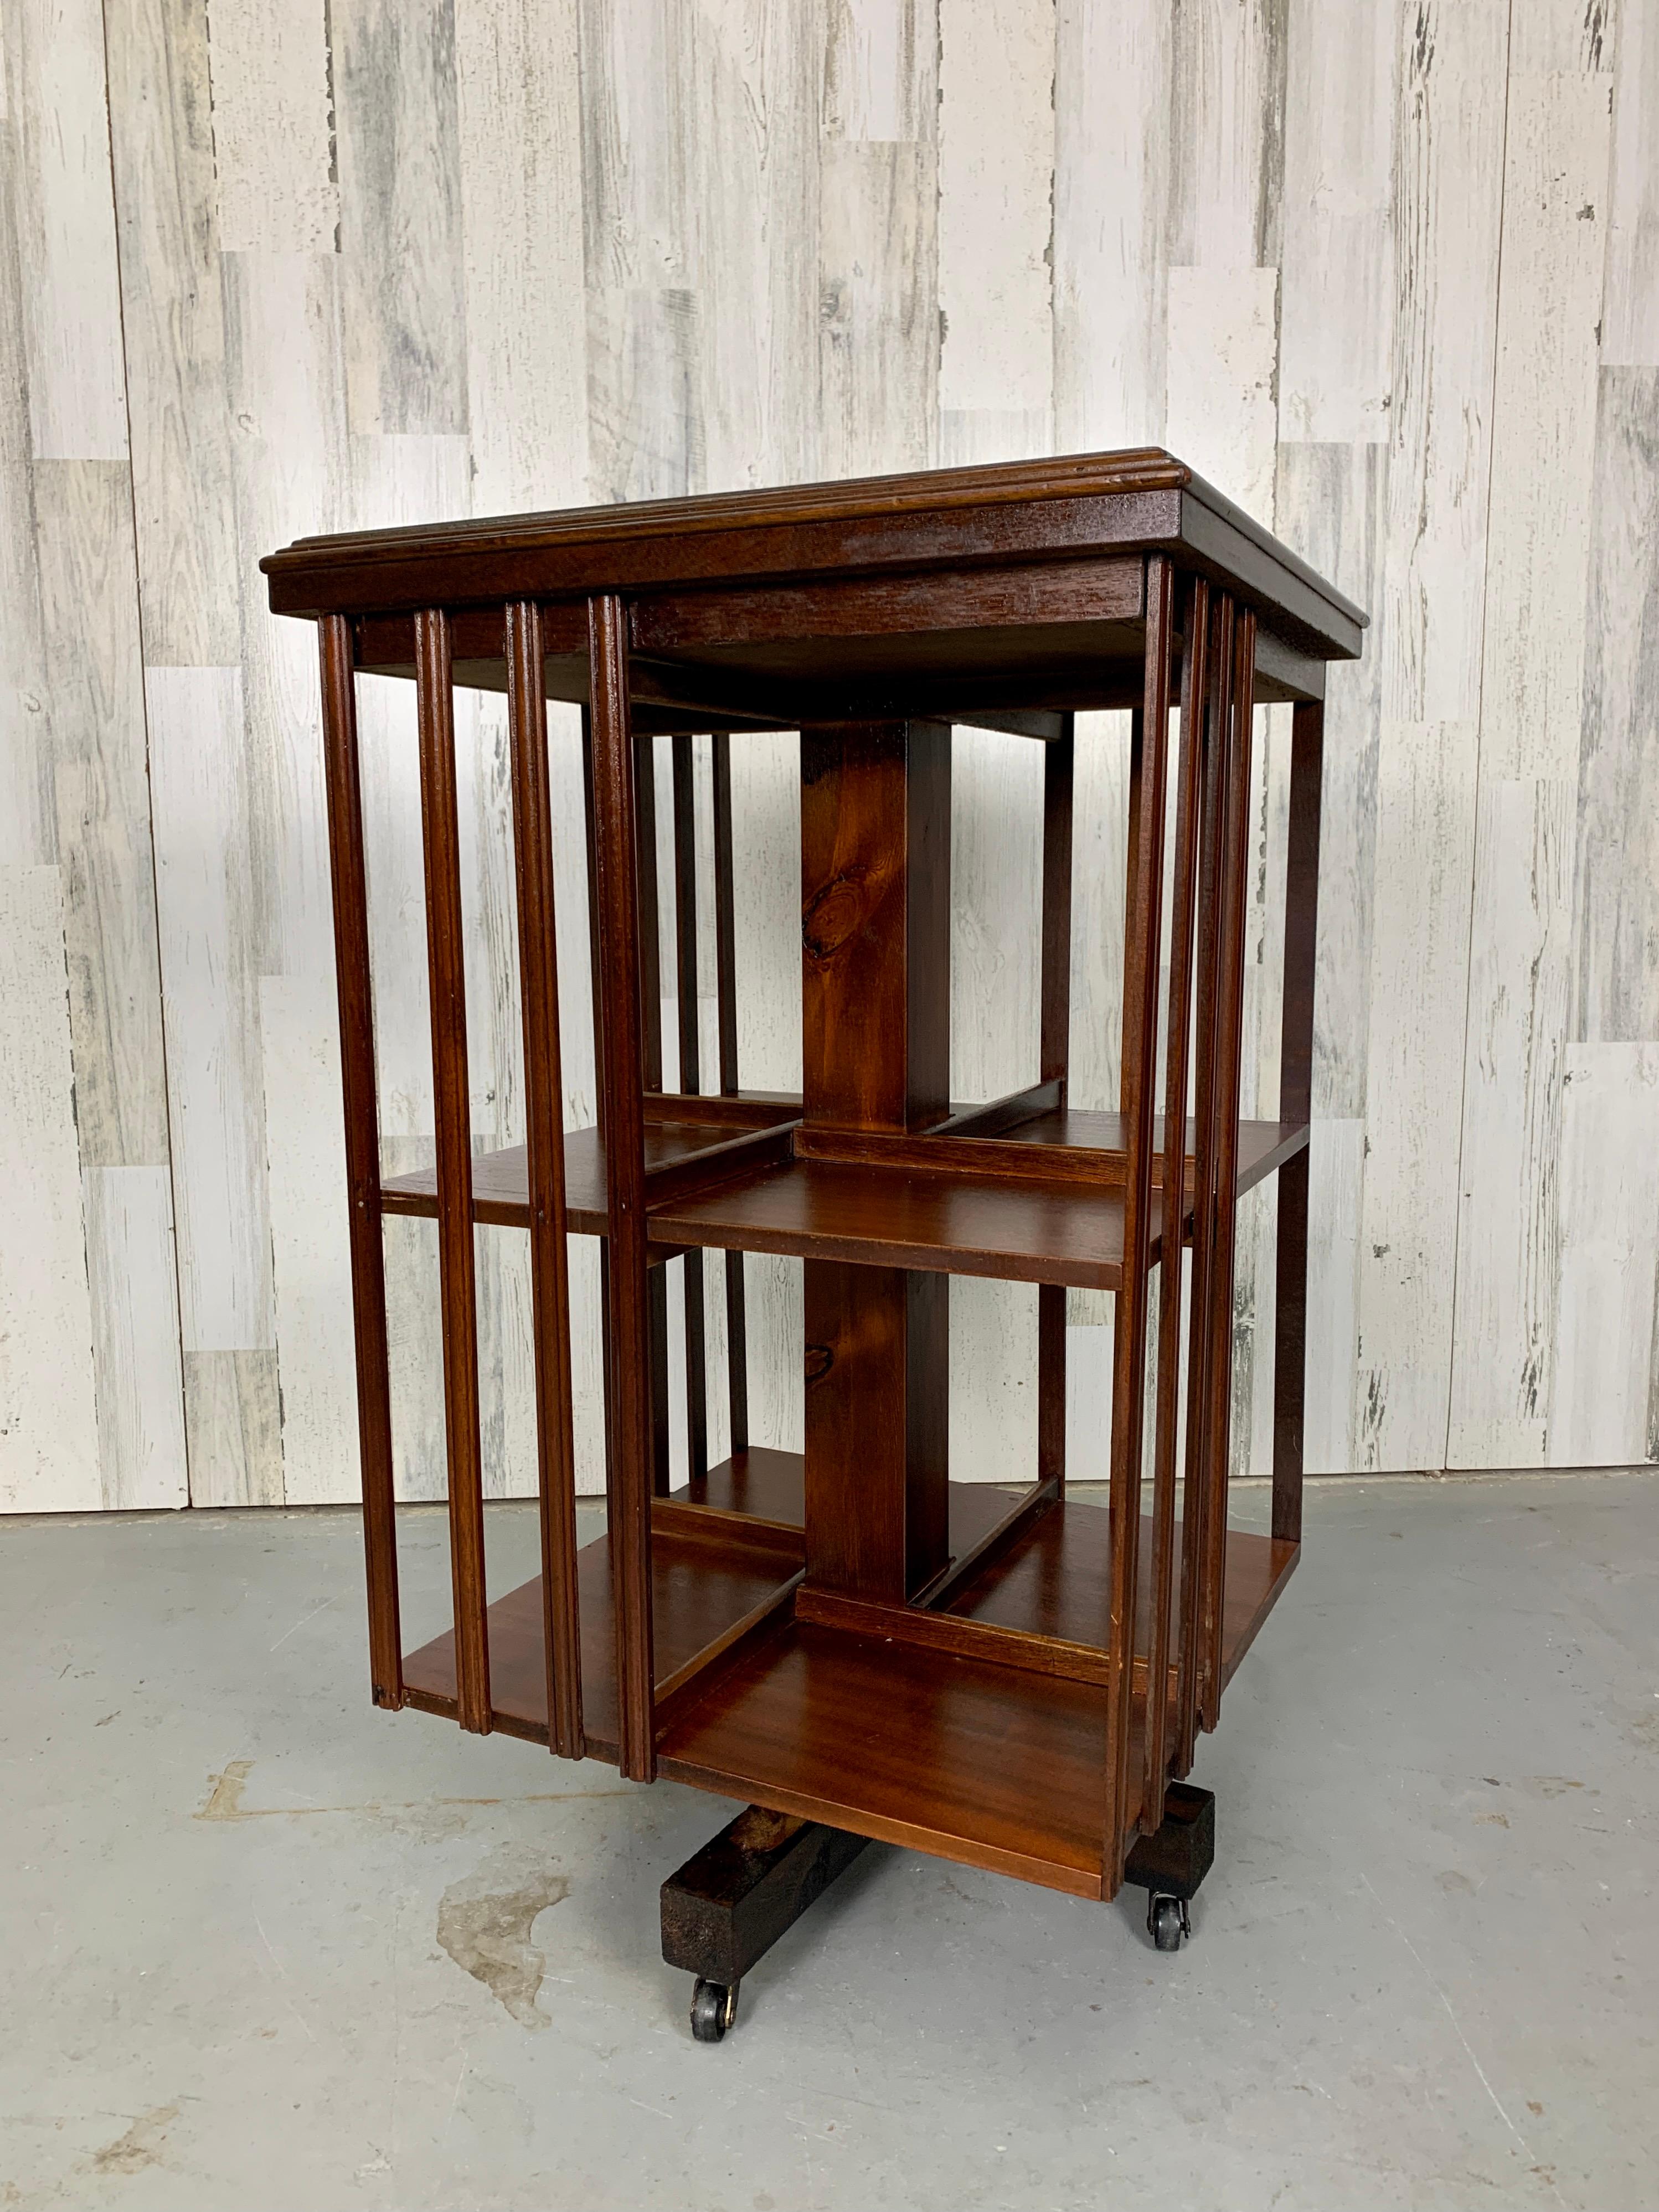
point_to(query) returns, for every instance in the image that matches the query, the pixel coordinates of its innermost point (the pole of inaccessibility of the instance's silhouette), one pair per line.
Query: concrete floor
(261, 1947)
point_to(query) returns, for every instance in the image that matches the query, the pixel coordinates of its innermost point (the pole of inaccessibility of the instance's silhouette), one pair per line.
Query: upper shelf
(1054, 1215)
(1018, 585)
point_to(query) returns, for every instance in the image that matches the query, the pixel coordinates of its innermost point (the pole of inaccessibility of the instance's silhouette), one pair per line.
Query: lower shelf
(964, 1759)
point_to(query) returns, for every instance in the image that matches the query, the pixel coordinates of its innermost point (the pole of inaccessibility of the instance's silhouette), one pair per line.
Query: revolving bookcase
(845, 1638)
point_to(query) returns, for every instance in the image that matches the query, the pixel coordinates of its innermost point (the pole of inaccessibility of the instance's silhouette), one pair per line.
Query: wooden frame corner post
(550, 1269)
(349, 884)
(1296, 1104)
(617, 1010)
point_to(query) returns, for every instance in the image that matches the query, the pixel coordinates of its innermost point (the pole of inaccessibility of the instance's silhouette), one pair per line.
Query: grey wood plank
(1226, 129)
(400, 216)
(232, 1428)
(134, 1292)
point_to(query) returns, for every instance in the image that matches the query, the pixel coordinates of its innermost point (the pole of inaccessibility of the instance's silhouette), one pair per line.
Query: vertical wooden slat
(1229, 1044)
(1215, 709)
(446, 975)
(1055, 991)
(362, 1151)
(685, 993)
(1132, 863)
(1140, 995)
(544, 1083)
(1188, 803)
(725, 987)
(615, 853)
(650, 956)
(1296, 1104)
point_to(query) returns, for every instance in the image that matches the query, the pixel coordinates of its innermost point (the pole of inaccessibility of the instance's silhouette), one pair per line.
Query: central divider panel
(876, 1016)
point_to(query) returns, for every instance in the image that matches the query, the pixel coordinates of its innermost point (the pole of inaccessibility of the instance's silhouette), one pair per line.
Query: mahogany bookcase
(846, 1639)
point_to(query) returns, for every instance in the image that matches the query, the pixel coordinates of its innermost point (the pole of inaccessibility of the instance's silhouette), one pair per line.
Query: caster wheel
(714, 2008)
(1167, 1922)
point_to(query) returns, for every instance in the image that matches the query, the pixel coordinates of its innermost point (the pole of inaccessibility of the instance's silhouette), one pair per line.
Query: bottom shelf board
(964, 1759)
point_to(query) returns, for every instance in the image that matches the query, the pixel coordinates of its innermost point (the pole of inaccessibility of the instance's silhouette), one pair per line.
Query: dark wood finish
(348, 882)
(446, 974)
(1004, 1677)
(1173, 1859)
(731, 1900)
(1189, 791)
(1230, 1030)
(626, 1322)
(686, 1002)
(1296, 1096)
(1217, 708)
(725, 1000)
(549, 1281)
(1140, 993)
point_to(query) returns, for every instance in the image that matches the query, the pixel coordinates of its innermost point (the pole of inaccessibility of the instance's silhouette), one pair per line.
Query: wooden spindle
(1055, 992)
(544, 1083)
(1140, 997)
(1229, 1052)
(1189, 792)
(617, 855)
(1296, 1104)
(726, 988)
(685, 988)
(458, 1289)
(352, 980)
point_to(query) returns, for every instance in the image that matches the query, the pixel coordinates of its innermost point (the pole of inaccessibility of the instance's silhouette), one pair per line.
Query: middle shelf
(1045, 1206)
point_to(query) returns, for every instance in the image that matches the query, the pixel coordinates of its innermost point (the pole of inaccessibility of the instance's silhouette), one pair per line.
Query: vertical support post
(685, 992)
(1141, 996)
(615, 846)
(875, 983)
(1215, 710)
(1229, 1046)
(446, 969)
(1055, 1051)
(550, 1273)
(645, 770)
(362, 1152)
(1173, 1204)
(1296, 1104)
(726, 988)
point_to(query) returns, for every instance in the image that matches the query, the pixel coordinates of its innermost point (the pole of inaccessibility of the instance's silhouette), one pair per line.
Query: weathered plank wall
(1388, 274)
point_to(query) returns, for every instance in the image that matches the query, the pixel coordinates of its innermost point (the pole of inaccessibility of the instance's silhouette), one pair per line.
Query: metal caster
(1167, 1922)
(714, 2008)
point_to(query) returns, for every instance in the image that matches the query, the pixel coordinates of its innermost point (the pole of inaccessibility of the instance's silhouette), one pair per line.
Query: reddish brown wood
(686, 999)
(1140, 993)
(726, 987)
(1217, 711)
(549, 1282)
(362, 1152)
(998, 1117)
(948, 1633)
(445, 964)
(628, 1334)
(1189, 791)
(1296, 1096)
(1229, 1035)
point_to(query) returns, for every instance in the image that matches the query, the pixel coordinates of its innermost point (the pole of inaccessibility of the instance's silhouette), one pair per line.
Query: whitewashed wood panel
(273, 125)
(1222, 351)
(1508, 1240)
(96, 717)
(1226, 132)
(57, 101)
(233, 1428)
(1616, 882)
(750, 190)
(995, 186)
(1110, 221)
(1414, 1052)
(134, 1288)
(1336, 287)
(48, 1428)
(1604, 1413)
(878, 355)
(1336, 1163)
(164, 149)
(28, 831)
(881, 70)
(311, 1261)
(518, 85)
(400, 216)
(1630, 328)
(212, 1015)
